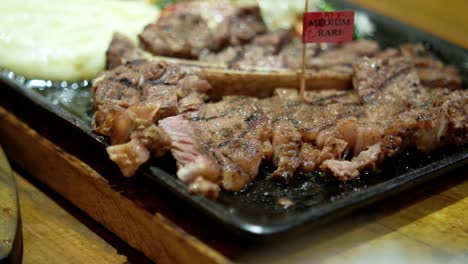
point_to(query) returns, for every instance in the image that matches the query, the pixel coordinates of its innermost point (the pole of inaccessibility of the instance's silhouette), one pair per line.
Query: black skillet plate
(257, 212)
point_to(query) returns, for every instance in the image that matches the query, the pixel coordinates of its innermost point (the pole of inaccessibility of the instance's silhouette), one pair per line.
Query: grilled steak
(237, 37)
(281, 50)
(327, 55)
(399, 113)
(399, 101)
(172, 36)
(431, 71)
(189, 29)
(339, 132)
(252, 82)
(262, 52)
(226, 136)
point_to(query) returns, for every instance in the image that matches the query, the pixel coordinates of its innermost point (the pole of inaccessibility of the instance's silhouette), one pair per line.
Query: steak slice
(214, 25)
(226, 57)
(122, 50)
(390, 112)
(148, 85)
(374, 79)
(345, 170)
(286, 144)
(234, 131)
(437, 121)
(172, 35)
(327, 55)
(228, 135)
(344, 54)
(196, 166)
(128, 156)
(262, 51)
(282, 49)
(257, 56)
(244, 25)
(131, 98)
(399, 113)
(431, 71)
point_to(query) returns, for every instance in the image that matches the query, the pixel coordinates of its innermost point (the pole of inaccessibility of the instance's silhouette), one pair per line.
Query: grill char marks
(241, 132)
(234, 130)
(339, 132)
(373, 76)
(400, 115)
(431, 71)
(228, 135)
(131, 98)
(221, 145)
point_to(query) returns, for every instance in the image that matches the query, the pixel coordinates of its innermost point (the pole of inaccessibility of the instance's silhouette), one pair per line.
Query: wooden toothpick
(303, 81)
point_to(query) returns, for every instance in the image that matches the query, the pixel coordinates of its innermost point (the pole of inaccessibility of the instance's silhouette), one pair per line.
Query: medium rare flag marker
(324, 27)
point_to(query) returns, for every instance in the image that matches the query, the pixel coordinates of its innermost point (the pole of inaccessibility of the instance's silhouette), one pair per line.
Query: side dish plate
(267, 208)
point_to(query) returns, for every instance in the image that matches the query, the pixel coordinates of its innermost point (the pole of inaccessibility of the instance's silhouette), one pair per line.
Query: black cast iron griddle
(256, 212)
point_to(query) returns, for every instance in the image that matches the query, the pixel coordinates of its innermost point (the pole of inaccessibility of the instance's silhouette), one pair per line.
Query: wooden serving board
(50, 234)
(136, 210)
(424, 225)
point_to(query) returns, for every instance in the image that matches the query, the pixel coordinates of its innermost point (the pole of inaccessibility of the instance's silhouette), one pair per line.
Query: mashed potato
(65, 39)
